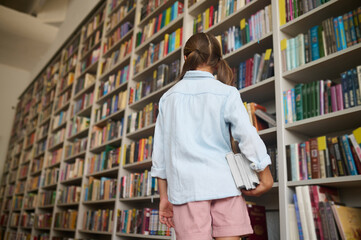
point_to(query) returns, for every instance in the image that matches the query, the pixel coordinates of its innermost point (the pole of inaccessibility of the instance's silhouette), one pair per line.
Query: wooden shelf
(95, 232)
(143, 236)
(116, 45)
(92, 68)
(129, 16)
(140, 199)
(85, 112)
(83, 133)
(91, 202)
(68, 204)
(56, 146)
(155, 12)
(343, 182)
(107, 172)
(121, 87)
(114, 69)
(76, 180)
(146, 164)
(46, 206)
(65, 106)
(101, 147)
(115, 116)
(200, 7)
(87, 89)
(90, 51)
(143, 132)
(62, 125)
(78, 155)
(63, 229)
(260, 92)
(50, 186)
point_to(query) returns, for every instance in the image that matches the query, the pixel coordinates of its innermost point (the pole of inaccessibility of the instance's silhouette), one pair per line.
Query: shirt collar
(197, 74)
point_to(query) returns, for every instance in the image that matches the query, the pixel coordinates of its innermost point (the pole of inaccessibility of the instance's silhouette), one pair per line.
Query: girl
(198, 196)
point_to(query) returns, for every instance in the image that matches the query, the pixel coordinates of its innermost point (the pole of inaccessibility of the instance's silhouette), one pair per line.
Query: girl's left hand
(265, 184)
(166, 212)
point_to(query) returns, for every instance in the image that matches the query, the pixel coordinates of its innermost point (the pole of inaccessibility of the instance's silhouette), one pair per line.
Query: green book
(310, 102)
(167, 17)
(299, 101)
(305, 101)
(320, 41)
(247, 32)
(313, 99)
(317, 97)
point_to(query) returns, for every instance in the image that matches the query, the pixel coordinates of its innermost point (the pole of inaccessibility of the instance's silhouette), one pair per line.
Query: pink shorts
(200, 220)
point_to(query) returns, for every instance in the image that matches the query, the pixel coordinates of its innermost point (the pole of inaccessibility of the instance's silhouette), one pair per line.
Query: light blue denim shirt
(191, 139)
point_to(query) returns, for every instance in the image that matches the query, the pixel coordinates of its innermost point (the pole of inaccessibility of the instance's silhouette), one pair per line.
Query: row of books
(78, 124)
(84, 82)
(138, 151)
(17, 202)
(65, 82)
(111, 106)
(149, 7)
(69, 66)
(72, 170)
(117, 35)
(98, 220)
(71, 49)
(24, 169)
(93, 24)
(334, 34)
(14, 219)
(108, 159)
(70, 194)
(40, 147)
(46, 198)
(141, 221)
(33, 183)
(317, 213)
(27, 220)
(162, 76)
(112, 130)
(43, 220)
(57, 137)
(138, 185)
(143, 118)
(158, 51)
(76, 147)
(117, 56)
(90, 43)
(48, 98)
(20, 187)
(273, 153)
(83, 103)
(91, 59)
(323, 157)
(100, 189)
(63, 99)
(254, 70)
(66, 219)
(54, 158)
(289, 10)
(58, 120)
(119, 15)
(45, 114)
(113, 82)
(155, 24)
(307, 100)
(30, 200)
(50, 177)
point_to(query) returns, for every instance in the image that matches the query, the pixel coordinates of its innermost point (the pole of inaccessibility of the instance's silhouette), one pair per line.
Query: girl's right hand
(265, 184)
(166, 212)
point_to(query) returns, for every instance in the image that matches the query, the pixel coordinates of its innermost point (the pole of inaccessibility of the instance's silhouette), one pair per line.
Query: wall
(12, 84)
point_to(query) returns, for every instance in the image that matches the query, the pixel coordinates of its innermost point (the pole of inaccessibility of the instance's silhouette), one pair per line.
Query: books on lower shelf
(93, 24)
(76, 147)
(273, 153)
(141, 221)
(72, 170)
(138, 151)
(78, 124)
(290, 10)
(14, 219)
(84, 82)
(323, 157)
(157, 51)
(254, 70)
(50, 177)
(149, 7)
(46, 198)
(70, 194)
(161, 77)
(43, 220)
(112, 130)
(111, 105)
(24, 169)
(155, 24)
(138, 185)
(98, 220)
(40, 147)
(59, 119)
(143, 118)
(119, 15)
(54, 158)
(20, 187)
(57, 137)
(316, 98)
(113, 82)
(17, 202)
(332, 35)
(257, 215)
(258, 122)
(108, 159)
(117, 56)
(27, 220)
(66, 219)
(117, 35)
(33, 183)
(30, 200)
(100, 189)
(93, 58)
(84, 102)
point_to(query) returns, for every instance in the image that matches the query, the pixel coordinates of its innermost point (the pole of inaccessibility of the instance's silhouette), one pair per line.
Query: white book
(308, 211)
(295, 167)
(301, 209)
(293, 231)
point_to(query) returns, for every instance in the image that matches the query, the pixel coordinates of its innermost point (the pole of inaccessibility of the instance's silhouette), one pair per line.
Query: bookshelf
(59, 120)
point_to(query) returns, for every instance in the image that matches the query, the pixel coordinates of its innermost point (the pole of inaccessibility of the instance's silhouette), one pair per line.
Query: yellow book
(167, 17)
(124, 153)
(206, 20)
(282, 9)
(357, 134)
(348, 220)
(177, 38)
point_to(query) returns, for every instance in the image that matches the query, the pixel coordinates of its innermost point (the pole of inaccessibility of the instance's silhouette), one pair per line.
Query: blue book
(285, 108)
(345, 92)
(342, 32)
(173, 42)
(352, 87)
(293, 104)
(244, 75)
(163, 19)
(349, 157)
(300, 232)
(240, 73)
(172, 13)
(337, 34)
(315, 51)
(356, 86)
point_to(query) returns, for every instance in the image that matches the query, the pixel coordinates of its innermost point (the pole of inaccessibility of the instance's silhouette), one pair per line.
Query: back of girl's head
(204, 49)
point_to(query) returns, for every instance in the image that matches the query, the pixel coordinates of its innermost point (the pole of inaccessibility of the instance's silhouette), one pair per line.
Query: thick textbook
(244, 176)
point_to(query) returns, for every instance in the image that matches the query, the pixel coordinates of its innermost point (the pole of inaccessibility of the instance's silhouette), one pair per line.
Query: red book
(355, 157)
(180, 8)
(181, 36)
(211, 17)
(315, 211)
(315, 161)
(257, 215)
(146, 218)
(159, 21)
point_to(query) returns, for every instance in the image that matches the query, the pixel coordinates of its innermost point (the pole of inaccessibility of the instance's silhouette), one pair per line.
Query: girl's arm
(265, 183)
(165, 207)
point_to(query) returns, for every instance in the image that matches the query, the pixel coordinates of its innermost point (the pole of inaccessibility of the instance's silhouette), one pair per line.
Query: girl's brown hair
(204, 48)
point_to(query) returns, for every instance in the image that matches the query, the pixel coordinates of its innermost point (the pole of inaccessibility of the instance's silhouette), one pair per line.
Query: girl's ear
(185, 57)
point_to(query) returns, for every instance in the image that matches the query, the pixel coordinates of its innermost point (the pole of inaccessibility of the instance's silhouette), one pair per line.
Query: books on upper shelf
(112, 130)
(84, 82)
(321, 97)
(63, 99)
(14, 219)
(45, 114)
(149, 6)
(37, 165)
(66, 81)
(66, 219)
(17, 202)
(254, 70)
(70, 194)
(4, 220)
(111, 105)
(27, 220)
(273, 153)
(162, 76)
(78, 124)
(69, 65)
(100, 189)
(54, 158)
(33, 183)
(46, 198)
(113, 82)
(40, 147)
(84, 102)
(93, 24)
(72, 170)
(258, 122)
(50, 177)
(43, 220)
(43, 130)
(289, 10)
(312, 212)
(107, 159)
(24, 169)
(138, 151)
(138, 185)
(47, 98)
(119, 15)
(117, 36)
(30, 200)
(98, 220)
(59, 119)
(141, 221)
(323, 157)
(157, 51)
(91, 59)
(332, 35)
(117, 56)
(20, 187)
(155, 24)
(76, 147)
(143, 118)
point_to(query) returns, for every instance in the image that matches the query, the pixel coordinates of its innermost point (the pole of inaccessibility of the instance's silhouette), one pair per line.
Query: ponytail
(224, 72)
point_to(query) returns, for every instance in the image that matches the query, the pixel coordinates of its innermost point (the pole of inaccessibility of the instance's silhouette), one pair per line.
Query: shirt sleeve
(250, 144)
(158, 163)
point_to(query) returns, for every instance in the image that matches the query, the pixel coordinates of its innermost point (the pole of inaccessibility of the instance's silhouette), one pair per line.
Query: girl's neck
(205, 68)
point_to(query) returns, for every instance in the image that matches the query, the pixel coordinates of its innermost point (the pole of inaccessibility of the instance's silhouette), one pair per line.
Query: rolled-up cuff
(260, 166)
(158, 172)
